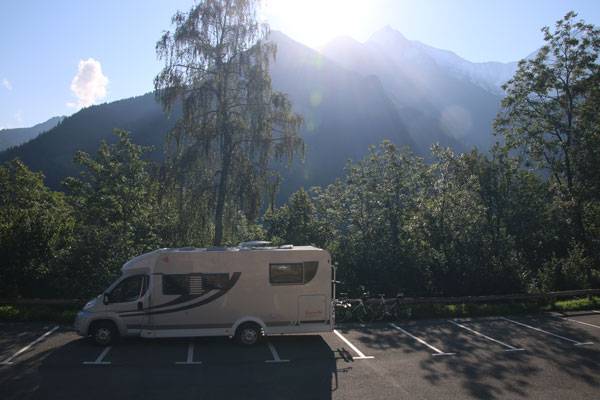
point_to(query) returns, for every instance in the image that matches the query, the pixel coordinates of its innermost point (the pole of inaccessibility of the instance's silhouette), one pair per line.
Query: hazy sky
(58, 56)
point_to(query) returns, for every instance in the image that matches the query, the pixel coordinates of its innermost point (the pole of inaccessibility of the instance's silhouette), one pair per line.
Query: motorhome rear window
(310, 270)
(286, 274)
(292, 273)
(175, 284)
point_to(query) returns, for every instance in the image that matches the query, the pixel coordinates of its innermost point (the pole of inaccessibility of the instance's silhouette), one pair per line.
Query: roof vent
(286, 247)
(254, 244)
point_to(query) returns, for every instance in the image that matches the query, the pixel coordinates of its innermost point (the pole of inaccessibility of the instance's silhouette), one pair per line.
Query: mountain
(52, 152)
(14, 137)
(488, 75)
(451, 106)
(350, 94)
(344, 113)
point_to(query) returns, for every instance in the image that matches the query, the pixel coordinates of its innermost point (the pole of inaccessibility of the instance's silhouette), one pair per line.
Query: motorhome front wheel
(104, 333)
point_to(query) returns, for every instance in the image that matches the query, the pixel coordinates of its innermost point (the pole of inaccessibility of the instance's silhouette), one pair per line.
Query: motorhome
(243, 292)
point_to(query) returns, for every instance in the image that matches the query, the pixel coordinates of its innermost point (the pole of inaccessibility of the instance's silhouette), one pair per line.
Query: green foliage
(466, 224)
(569, 272)
(523, 217)
(550, 114)
(46, 313)
(367, 218)
(36, 227)
(294, 222)
(115, 204)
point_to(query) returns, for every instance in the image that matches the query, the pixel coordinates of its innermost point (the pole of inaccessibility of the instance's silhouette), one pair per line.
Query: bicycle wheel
(396, 312)
(377, 313)
(342, 314)
(360, 313)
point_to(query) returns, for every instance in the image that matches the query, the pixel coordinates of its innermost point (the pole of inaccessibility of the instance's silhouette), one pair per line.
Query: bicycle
(351, 309)
(385, 309)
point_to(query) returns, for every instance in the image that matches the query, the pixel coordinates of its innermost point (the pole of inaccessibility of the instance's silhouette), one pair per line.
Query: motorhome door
(129, 298)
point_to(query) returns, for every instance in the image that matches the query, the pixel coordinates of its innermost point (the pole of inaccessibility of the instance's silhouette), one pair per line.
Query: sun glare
(315, 22)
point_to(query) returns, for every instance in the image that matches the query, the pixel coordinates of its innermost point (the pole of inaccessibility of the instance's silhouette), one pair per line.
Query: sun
(315, 22)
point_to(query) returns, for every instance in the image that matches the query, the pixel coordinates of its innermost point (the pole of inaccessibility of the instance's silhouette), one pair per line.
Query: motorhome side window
(292, 273)
(129, 289)
(215, 281)
(175, 284)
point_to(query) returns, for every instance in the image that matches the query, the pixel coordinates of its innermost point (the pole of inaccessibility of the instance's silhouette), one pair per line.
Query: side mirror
(105, 299)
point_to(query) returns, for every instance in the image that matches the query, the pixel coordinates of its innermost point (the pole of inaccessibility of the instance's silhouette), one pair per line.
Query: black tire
(104, 333)
(376, 313)
(342, 313)
(248, 334)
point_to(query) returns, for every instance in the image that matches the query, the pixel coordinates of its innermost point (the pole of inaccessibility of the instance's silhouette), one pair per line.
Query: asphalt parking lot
(547, 356)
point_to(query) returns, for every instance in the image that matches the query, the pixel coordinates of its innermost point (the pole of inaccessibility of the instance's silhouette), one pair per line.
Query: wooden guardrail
(43, 302)
(549, 296)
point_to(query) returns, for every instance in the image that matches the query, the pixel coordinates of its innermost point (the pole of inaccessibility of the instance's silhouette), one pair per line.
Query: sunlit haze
(315, 22)
(48, 44)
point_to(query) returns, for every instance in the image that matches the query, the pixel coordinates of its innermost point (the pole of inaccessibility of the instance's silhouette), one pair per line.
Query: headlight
(89, 305)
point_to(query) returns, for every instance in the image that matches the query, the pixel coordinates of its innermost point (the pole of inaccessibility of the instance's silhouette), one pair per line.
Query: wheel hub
(249, 335)
(103, 334)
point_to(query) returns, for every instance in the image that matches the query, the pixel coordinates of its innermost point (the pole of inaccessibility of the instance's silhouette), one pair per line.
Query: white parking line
(98, 360)
(361, 355)
(276, 358)
(582, 323)
(438, 352)
(508, 346)
(575, 342)
(8, 361)
(190, 356)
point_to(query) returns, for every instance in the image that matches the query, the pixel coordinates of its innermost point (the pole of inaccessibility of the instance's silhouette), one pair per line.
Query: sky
(59, 56)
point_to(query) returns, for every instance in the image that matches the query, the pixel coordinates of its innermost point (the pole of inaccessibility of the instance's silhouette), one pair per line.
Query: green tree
(233, 124)
(115, 203)
(36, 227)
(367, 219)
(294, 222)
(550, 113)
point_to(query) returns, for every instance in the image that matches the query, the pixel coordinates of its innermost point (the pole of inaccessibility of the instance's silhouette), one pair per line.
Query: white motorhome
(239, 292)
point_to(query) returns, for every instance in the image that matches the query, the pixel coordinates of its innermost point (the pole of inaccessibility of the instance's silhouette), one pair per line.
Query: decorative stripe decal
(185, 326)
(315, 322)
(234, 278)
(280, 323)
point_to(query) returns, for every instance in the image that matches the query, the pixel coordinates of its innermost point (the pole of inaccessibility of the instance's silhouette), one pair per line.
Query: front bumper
(82, 322)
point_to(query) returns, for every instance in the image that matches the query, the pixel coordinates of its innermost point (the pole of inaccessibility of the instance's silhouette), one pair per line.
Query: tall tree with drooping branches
(233, 126)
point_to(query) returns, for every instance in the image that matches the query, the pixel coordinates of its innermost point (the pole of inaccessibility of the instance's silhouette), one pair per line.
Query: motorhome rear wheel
(248, 334)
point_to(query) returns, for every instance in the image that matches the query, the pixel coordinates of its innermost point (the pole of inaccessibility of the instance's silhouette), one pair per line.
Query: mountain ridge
(12, 137)
(350, 94)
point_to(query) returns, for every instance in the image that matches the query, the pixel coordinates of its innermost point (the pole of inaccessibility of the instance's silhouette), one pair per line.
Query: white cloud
(89, 84)
(6, 83)
(19, 117)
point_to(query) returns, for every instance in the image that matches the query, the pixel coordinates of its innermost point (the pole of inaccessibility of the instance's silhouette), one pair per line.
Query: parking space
(16, 336)
(496, 357)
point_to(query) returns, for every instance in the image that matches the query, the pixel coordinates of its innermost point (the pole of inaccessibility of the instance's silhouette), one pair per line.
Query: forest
(523, 217)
